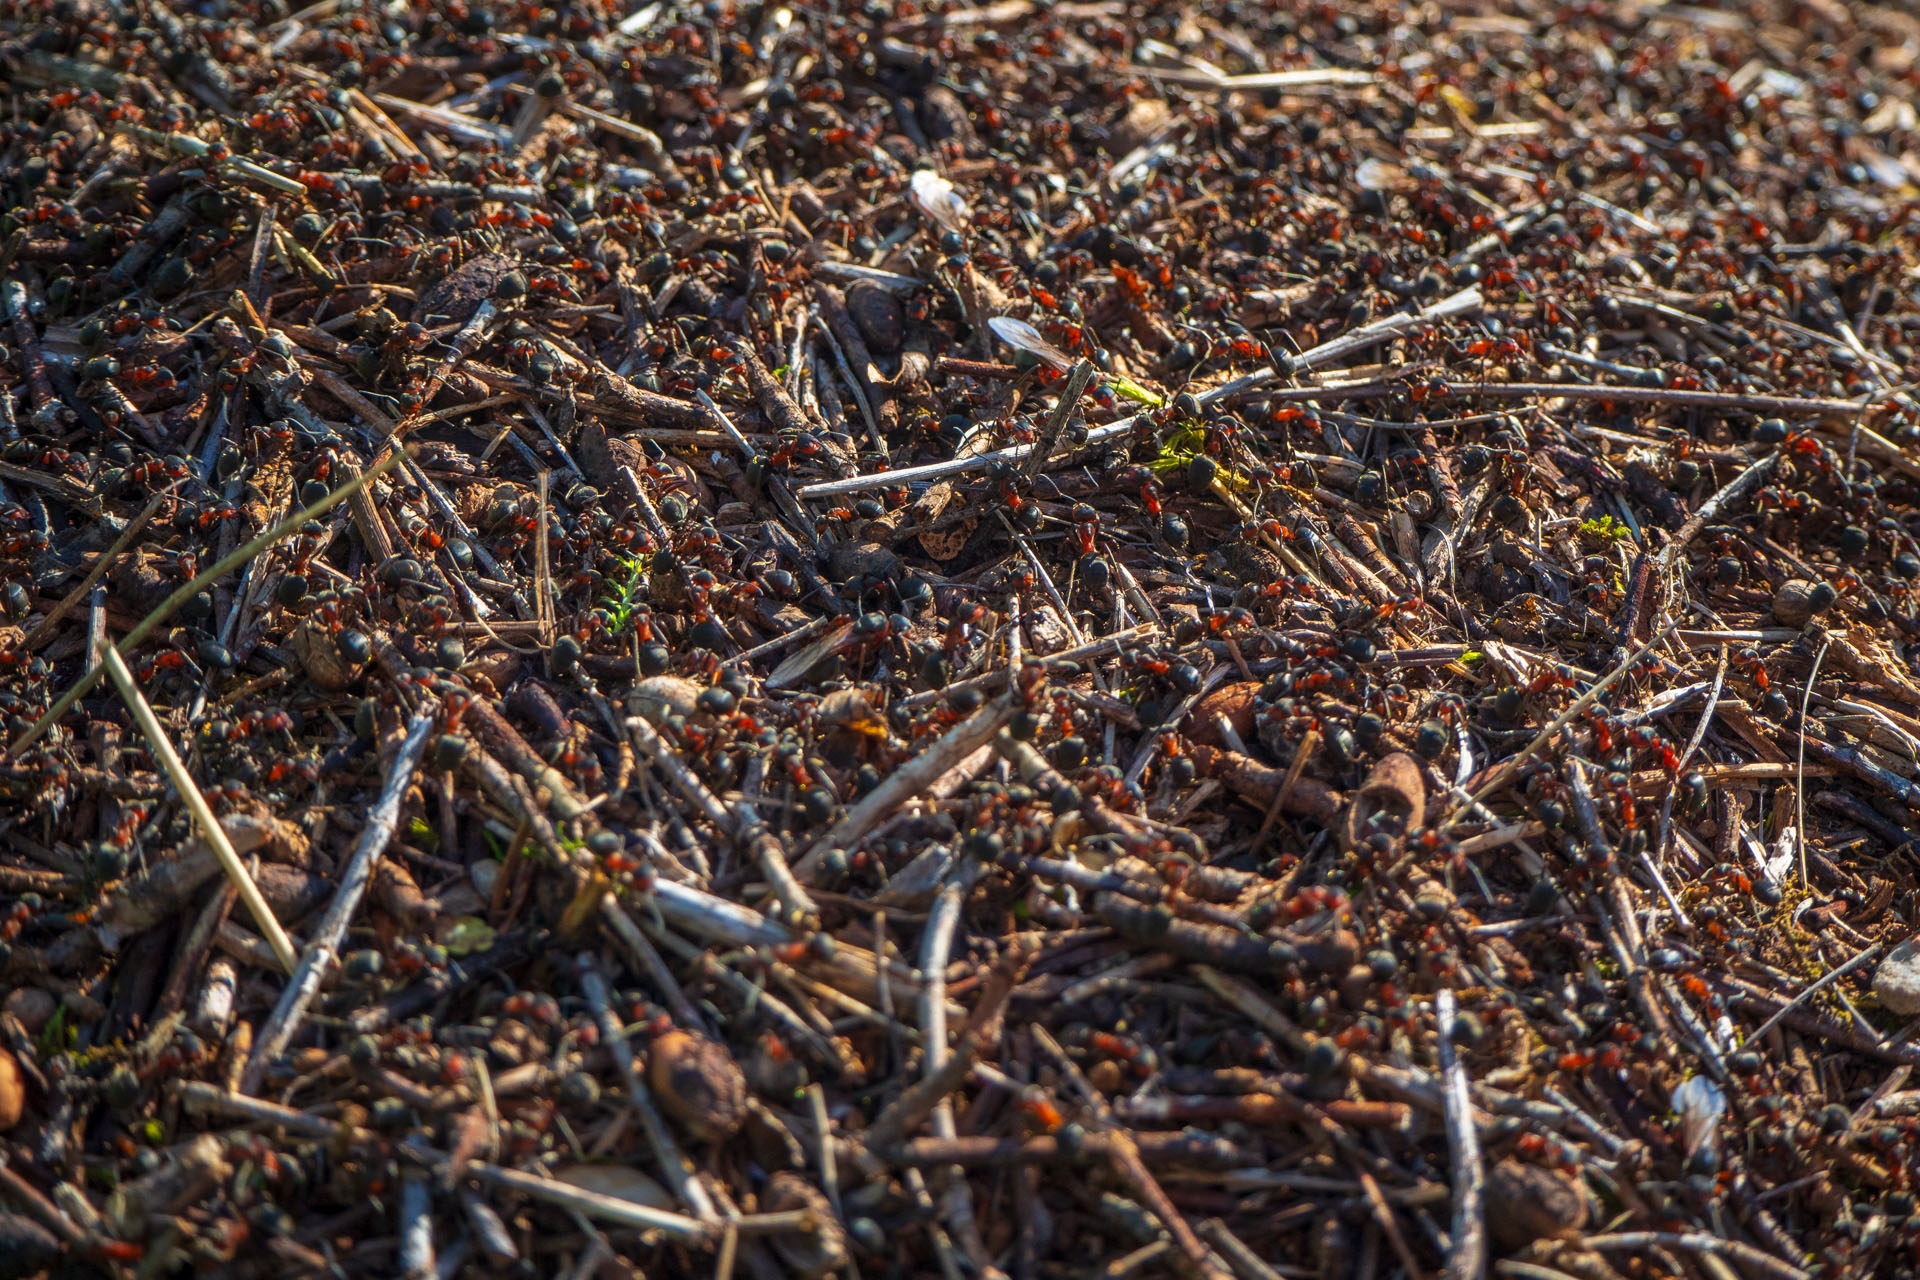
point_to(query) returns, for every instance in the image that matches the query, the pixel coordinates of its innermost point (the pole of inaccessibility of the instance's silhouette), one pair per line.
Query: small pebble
(657, 697)
(1896, 983)
(484, 874)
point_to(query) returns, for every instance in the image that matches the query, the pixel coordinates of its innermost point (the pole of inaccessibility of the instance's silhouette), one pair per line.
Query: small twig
(1799, 406)
(1465, 300)
(1192, 1148)
(543, 592)
(322, 948)
(1245, 1262)
(1511, 765)
(829, 1164)
(1825, 981)
(1710, 510)
(714, 918)
(770, 854)
(104, 562)
(656, 751)
(1695, 1242)
(1814, 1023)
(17, 1190)
(651, 962)
(1467, 1258)
(1125, 1154)
(920, 1098)
(1800, 768)
(792, 1025)
(936, 944)
(1326, 352)
(675, 1226)
(901, 1116)
(1665, 832)
(1045, 579)
(1078, 379)
(193, 949)
(673, 1164)
(200, 1098)
(995, 680)
(1256, 82)
(414, 1210)
(188, 145)
(1309, 743)
(908, 781)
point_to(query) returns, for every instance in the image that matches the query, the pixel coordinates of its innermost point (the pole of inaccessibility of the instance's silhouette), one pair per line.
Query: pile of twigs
(1103, 638)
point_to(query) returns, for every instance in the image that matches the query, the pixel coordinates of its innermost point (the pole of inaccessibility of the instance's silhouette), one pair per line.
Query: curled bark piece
(146, 900)
(292, 893)
(457, 295)
(321, 659)
(1392, 801)
(397, 892)
(1253, 781)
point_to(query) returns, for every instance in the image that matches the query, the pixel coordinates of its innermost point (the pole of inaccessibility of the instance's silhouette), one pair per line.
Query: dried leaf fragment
(1232, 702)
(321, 659)
(1526, 1203)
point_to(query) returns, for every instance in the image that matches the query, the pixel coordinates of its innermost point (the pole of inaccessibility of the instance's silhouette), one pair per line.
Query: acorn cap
(820, 1245)
(698, 1084)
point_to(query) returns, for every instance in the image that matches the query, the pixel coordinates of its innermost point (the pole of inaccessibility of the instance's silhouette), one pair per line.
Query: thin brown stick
(105, 561)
